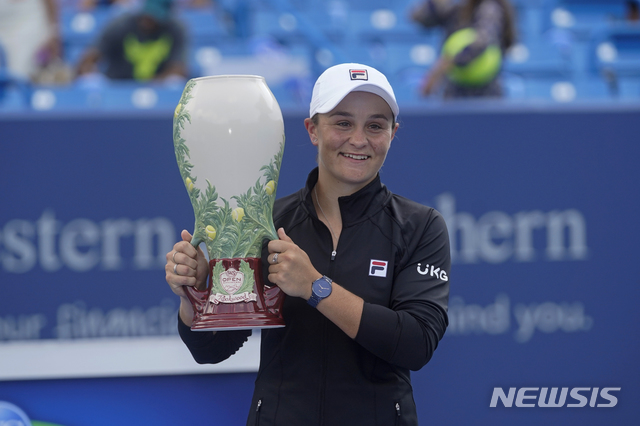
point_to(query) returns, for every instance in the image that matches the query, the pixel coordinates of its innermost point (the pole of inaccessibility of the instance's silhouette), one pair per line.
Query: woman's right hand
(186, 265)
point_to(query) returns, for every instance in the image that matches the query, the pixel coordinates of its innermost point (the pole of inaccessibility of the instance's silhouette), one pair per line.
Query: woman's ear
(312, 130)
(394, 130)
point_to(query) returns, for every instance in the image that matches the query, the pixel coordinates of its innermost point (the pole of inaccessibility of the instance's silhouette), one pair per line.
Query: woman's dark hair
(509, 31)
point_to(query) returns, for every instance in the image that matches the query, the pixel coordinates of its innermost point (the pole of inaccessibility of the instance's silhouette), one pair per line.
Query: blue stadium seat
(566, 90)
(282, 25)
(402, 57)
(82, 27)
(15, 92)
(333, 26)
(592, 88)
(368, 5)
(628, 88)
(203, 57)
(135, 97)
(203, 25)
(386, 23)
(616, 48)
(14, 97)
(529, 18)
(406, 86)
(66, 98)
(537, 58)
(127, 96)
(582, 16)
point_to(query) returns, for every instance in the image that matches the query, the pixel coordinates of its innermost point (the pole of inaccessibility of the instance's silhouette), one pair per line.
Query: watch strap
(315, 297)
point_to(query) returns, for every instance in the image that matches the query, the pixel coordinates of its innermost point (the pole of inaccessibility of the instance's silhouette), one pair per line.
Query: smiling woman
(353, 141)
(359, 316)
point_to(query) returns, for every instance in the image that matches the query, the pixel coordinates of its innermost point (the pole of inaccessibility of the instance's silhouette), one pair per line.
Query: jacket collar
(356, 207)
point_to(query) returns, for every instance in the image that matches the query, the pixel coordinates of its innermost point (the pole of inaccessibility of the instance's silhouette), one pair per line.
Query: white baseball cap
(338, 81)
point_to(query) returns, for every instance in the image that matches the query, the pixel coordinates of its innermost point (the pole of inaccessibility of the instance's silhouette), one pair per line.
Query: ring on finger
(175, 269)
(174, 257)
(275, 258)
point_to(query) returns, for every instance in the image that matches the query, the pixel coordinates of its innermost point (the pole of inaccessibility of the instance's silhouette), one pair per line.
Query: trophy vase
(228, 136)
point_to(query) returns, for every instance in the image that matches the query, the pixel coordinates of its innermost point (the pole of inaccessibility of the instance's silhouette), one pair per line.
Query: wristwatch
(320, 289)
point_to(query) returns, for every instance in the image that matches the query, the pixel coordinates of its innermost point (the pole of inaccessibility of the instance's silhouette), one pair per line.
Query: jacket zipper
(258, 412)
(397, 413)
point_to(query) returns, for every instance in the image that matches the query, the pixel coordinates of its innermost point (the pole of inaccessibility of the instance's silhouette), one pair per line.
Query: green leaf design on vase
(247, 286)
(226, 232)
(215, 278)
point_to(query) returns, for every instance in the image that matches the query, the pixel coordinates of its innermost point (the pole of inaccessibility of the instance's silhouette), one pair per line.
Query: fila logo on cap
(359, 75)
(378, 268)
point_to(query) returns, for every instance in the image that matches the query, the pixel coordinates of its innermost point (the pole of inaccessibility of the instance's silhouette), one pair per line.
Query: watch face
(322, 288)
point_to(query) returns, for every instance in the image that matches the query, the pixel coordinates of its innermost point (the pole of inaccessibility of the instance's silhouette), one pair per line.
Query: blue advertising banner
(540, 205)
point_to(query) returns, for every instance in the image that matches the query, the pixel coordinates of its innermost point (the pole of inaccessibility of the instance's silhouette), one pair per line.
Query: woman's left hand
(292, 270)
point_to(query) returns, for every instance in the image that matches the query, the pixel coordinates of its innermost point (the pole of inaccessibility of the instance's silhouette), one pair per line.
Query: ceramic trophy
(228, 136)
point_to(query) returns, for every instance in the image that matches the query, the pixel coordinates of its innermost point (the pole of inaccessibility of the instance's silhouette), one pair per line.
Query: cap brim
(333, 101)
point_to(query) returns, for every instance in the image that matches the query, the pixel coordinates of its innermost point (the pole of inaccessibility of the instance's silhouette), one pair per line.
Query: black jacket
(392, 252)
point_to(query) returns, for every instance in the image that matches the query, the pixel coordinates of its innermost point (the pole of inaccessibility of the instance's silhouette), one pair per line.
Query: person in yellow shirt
(147, 45)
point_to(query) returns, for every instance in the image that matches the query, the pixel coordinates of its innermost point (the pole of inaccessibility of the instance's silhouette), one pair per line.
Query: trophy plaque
(228, 135)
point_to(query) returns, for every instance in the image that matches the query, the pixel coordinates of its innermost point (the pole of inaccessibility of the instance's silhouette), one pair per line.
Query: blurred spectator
(633, 10)
(30, 39)
(125, 5)
(92, 4)
(492, 22)
(145, 45)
